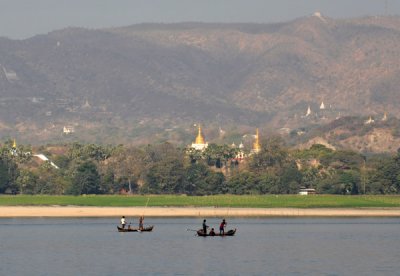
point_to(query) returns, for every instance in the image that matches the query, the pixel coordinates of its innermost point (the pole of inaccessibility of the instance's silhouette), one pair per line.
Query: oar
(191, 230)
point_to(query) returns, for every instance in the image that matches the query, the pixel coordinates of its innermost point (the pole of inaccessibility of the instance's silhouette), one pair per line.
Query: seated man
(212, 232)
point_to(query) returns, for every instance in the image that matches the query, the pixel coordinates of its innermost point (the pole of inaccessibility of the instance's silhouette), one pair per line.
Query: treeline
(166, 169)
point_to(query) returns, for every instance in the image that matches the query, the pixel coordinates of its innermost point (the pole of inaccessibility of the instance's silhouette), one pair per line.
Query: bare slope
(125, 84)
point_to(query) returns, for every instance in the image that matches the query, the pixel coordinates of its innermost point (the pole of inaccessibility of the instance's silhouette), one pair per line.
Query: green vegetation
(164, 169)
(230, 201)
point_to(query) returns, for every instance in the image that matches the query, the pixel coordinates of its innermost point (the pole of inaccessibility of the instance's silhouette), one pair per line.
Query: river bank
(76, 211)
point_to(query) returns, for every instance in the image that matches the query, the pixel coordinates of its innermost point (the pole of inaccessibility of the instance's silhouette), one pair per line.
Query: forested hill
(154, 81)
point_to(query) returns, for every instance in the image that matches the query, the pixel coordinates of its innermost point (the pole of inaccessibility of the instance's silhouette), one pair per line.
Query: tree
(27, 182)
(123, 169)
(86, 179)
(4, 176)
(8, 171)
(242, 183)
(268, 183)
(273, 156)
(290, 179)
(51, 180)
(200, 180)
(219, 155)
(165, 177)
(386, 179)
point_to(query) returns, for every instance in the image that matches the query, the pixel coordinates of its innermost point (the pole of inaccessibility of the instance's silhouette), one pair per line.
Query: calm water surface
(270, 246)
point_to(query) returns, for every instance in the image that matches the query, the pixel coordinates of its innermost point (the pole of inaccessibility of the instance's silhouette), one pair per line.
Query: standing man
(205, 226)
(141, 218)
(222, 227)
(123, 222)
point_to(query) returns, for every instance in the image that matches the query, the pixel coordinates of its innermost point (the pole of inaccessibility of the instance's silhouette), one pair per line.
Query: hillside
(152, 82)
(366, 135)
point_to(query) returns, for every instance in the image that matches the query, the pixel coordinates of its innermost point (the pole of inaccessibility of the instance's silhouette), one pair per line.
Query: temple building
(14, 148)
(240, 152)
(369, 121)
(200, 143)
(241, 155)
(256, 145)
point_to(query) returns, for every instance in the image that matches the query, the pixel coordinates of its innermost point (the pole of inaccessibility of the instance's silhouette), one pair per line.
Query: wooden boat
(228, 233)
(135, 229)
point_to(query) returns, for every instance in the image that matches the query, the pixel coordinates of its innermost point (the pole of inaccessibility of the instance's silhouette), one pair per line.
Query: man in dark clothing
(212, 232)
(205, 226)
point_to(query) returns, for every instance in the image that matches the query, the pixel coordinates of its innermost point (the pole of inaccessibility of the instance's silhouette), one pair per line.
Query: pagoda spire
(13, 149)
(308, 111)
(256, 144)
(199, 138)
(200, 142)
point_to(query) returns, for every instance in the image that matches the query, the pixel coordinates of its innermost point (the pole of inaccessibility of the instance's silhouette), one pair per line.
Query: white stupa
(369, 121)
(308, 111)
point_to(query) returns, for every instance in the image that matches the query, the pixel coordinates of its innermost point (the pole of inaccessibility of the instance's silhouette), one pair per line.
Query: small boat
(228, 233)
(136, 229)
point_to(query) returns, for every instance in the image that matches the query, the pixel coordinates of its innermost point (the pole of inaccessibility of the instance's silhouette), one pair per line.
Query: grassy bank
(258, 201)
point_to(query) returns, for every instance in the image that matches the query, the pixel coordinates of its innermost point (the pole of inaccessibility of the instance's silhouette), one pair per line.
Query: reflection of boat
(228, 233)
(130, 229)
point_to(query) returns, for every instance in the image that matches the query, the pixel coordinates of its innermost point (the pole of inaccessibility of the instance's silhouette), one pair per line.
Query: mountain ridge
(130, 83)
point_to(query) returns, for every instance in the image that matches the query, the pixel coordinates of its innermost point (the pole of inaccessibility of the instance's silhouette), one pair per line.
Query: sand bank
(74, 211)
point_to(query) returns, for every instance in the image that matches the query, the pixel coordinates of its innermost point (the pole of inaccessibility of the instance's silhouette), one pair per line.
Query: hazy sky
(26, 18)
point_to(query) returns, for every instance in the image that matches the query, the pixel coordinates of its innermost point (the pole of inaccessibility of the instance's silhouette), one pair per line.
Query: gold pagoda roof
(199, 138)
(256, 144)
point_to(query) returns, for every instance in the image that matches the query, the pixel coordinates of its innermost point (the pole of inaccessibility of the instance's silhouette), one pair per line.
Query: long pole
(146, 205)
(364, 176)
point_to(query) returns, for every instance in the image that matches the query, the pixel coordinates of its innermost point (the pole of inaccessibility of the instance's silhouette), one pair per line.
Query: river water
(265, 246)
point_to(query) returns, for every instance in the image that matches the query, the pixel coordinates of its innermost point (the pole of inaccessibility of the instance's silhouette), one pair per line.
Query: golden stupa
(200, 142)
(199, 139)
(14, 146)
(256, 145)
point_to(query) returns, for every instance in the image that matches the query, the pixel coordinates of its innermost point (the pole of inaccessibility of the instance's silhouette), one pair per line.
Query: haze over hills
(152, 82)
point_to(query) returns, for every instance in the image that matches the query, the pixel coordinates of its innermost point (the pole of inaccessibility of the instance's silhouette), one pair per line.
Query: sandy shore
(73, 211)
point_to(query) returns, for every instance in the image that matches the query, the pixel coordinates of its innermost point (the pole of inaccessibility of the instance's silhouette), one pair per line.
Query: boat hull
(231, 232)
(129, 229)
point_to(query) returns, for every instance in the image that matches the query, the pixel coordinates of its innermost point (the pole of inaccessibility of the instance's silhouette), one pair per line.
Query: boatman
(123, 222)
(141, 218)
(222, 227)
(205, 226)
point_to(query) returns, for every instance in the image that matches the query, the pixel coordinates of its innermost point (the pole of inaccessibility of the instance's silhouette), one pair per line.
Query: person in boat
(212, 232)
(141, 219)
(123, 222)
(222, 227)
(205, 226)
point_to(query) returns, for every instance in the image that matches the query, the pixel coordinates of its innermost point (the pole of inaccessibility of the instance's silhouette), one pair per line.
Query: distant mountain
(152, 82)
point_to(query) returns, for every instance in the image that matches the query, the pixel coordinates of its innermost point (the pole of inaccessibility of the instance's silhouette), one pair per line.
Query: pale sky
(21, 19)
